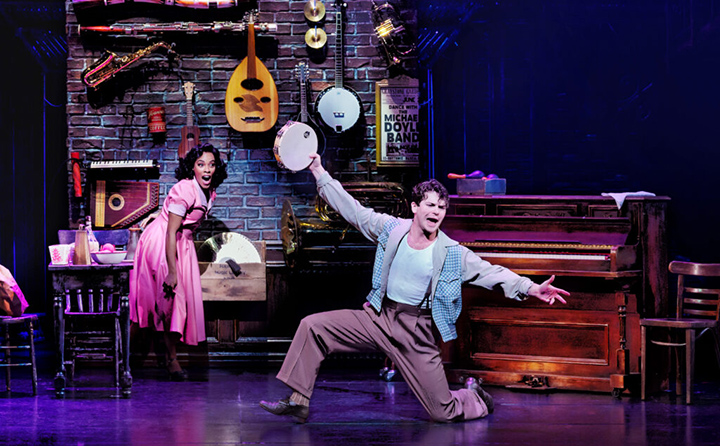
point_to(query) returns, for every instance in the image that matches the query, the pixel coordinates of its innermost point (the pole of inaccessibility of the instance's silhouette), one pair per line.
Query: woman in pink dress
(165, 290)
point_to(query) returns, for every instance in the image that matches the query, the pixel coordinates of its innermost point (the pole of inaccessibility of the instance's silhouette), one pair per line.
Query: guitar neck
(304, 115)
(251, 72)
(188, 112)
(339, 50)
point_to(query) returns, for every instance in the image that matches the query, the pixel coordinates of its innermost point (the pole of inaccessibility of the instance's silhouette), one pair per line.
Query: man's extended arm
(479, 272)
(366, 220)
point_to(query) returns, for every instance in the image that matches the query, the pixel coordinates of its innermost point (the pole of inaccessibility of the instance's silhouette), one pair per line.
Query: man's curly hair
(421, 190)
(185, 169)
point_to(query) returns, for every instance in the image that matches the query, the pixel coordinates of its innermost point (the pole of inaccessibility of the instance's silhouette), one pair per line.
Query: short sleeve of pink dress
(148, 305)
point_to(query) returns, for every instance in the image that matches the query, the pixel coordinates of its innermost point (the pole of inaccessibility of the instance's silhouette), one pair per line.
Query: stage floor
(351, 406)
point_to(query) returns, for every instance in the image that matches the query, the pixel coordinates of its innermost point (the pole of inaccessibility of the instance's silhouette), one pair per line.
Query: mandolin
(251, 99)
(298, 139)
(302, 72)
(190, 134)
(339, 107)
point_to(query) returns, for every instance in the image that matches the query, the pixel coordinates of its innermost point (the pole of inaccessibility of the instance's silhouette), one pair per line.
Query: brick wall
(111, 122)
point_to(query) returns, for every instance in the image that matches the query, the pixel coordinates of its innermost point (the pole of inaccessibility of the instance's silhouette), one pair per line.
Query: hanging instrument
(314, 10)
(315, 38)
(190, 134)
(297, 140)
(120, 204)
(251, 99)
(339, 107)
(391, 33)
(109, 64)
(124, 169)
(145, 29)
(196, 4)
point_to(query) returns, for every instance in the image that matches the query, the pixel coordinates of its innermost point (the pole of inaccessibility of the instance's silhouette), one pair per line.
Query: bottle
(81, 256)
(92, 241)
(132, 243)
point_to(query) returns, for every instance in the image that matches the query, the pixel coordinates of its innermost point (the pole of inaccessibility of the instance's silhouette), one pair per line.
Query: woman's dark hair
(421, 190)
(186, 168)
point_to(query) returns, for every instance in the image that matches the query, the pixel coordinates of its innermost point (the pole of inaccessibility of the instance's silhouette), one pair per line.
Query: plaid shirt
(446, 300)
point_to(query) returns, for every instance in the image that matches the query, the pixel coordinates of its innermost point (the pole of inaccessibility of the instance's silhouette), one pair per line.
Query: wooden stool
(27, 321)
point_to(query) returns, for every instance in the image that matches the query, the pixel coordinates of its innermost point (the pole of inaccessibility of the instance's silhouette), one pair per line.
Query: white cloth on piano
(620, 197)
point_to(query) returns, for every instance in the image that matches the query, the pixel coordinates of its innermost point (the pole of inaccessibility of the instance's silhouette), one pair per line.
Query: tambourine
(294, 144)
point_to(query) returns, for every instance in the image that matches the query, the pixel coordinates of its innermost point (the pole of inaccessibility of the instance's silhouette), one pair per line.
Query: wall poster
(397, 113)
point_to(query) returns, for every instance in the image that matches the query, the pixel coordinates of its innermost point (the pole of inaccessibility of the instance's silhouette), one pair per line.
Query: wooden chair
(14, 340)
(697, 310)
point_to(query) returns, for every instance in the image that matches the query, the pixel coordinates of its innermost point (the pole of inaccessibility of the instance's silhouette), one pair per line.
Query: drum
(294, 144)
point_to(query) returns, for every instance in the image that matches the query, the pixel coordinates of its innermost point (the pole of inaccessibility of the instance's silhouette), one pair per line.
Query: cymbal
(228, 246)
(314, 10)
(315, 38)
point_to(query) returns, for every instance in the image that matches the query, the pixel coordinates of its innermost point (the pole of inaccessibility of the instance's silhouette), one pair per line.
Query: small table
(112, 278)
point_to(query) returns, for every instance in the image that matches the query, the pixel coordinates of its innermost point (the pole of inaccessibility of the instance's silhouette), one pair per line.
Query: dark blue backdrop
(581, 97)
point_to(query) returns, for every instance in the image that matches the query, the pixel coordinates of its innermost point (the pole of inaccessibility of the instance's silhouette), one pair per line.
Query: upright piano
(613, 262)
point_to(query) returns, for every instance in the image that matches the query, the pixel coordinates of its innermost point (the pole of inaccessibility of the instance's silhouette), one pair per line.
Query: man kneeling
(416, 285)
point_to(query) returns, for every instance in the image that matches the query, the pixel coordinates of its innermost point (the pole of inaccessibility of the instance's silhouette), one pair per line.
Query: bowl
(110, 258)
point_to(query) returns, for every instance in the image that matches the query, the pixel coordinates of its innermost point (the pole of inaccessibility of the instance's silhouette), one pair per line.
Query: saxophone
(109, 64)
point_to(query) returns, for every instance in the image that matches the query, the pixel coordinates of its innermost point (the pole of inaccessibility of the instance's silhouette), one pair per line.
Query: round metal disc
(315, 38)
(228, 246)
(314, 11)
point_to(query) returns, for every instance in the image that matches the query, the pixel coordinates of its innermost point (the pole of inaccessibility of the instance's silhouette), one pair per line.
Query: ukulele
(338, 107)
(251, 99)
(190, 134)
(298, 139)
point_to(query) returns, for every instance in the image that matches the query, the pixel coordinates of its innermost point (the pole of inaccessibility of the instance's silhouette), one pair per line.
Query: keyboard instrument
(612, 261)
(124, 169)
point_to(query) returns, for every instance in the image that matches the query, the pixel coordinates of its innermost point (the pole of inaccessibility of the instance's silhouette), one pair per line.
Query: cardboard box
(480, 186)
(219, 282)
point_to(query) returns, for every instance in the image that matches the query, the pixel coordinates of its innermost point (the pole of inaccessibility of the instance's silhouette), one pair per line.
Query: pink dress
(148, 306)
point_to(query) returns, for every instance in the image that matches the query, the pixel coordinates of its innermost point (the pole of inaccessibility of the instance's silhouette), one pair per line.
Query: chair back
(91, 301)
(695, 299)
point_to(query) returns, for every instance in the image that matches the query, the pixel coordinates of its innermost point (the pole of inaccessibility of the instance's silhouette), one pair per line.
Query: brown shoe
(286, 407)
(472, 384)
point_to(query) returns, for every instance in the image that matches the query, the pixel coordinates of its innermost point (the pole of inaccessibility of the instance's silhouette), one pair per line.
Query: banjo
(338, 107)
(297, 140)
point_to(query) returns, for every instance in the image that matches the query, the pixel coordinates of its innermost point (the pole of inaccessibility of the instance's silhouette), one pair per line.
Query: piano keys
(614, 263)
(577, 256)
(124, 169)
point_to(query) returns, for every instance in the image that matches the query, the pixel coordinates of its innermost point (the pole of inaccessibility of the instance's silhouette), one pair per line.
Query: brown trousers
(400, 331)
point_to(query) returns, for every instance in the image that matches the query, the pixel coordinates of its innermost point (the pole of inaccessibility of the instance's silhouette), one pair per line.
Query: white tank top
(410, 274)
